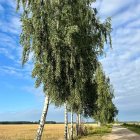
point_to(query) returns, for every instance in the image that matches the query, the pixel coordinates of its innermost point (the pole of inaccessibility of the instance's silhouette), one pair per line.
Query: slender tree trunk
(99, 124)
(79, 116)
(68, 134)
(58, 20)
(66, 123)
(71, 124)
(43, 118)
(77, 125)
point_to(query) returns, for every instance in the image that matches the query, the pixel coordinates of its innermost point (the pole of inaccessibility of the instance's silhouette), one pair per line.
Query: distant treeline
(25, 122)
(128, 122)
(37, 122)
(132, 125)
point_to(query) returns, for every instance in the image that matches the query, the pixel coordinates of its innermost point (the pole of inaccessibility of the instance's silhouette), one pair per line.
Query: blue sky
(19, 100)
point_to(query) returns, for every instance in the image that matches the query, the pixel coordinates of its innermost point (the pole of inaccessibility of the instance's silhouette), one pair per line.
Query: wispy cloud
(122, 63)
(18, 73)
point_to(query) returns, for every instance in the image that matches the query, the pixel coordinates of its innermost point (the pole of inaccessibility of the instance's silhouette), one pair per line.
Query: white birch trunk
(68, 134)
(71, 124)
(79, 116)
(77, 126)
(58, 14)
(66, 123)
(43, 118)
(99, 124)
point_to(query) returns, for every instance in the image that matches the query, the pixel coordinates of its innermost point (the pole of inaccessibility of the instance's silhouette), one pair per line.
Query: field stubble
(51, 132)
(28, 132)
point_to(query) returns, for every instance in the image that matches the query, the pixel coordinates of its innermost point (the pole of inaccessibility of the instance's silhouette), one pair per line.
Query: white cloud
(122, 64)
(6, 53)
(11, 26)
(18, 73)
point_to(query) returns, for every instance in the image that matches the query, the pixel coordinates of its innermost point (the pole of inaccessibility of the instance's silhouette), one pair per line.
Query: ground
(27, 132)
(56, 132)
(51, 132)
(120, 133)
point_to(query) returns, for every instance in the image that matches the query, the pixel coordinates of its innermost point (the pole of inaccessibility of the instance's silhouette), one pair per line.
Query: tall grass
(96, 133)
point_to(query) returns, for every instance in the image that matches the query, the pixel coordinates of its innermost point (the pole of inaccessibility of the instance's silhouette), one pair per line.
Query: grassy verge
(133, 127)
(96, 133)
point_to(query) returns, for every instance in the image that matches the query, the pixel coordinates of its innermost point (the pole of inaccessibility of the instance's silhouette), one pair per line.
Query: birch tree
(106, 110)
(64, 38)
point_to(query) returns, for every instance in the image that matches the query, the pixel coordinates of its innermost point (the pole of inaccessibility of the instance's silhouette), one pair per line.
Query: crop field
(51, 132)
(28, 132)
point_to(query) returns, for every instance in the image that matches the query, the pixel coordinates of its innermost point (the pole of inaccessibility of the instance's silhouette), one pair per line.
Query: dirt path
(120, 133)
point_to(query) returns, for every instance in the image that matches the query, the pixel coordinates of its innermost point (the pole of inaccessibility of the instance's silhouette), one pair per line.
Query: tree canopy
(105, 110)
(65, 38)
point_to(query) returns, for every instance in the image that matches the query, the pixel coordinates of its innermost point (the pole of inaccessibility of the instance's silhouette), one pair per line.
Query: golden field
(28, 132)
(51, 132)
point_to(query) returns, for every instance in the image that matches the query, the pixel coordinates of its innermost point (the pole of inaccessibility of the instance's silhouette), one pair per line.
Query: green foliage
(106, 110)
(65, 38)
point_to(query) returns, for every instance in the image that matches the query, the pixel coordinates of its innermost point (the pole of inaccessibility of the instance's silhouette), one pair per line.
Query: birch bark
(71, 124)
(43, 118)
(66, 123)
